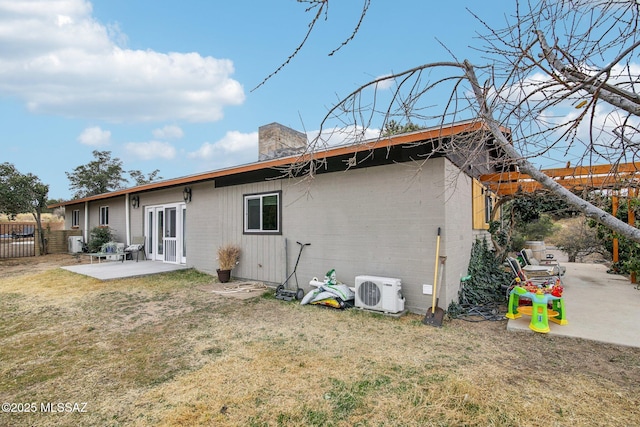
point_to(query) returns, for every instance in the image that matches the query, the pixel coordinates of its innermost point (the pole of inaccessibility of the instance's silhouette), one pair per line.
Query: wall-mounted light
(186, 194)
(135, 201)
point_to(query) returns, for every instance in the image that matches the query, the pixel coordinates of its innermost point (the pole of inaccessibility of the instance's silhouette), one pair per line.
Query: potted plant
(228, 257)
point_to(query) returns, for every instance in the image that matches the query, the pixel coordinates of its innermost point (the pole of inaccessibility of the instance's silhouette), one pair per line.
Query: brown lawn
(166, 351)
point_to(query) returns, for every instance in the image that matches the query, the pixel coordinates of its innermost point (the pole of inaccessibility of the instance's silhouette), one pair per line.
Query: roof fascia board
(381, 142)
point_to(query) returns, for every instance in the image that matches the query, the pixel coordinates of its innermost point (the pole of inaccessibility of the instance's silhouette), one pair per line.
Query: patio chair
(524, 278)
(112, 251)
(136, 246)
(549, 267)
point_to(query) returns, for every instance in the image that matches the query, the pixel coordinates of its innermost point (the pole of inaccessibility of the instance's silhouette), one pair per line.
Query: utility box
(75, 244)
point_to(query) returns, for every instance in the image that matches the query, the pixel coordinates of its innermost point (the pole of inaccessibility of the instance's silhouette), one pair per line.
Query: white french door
(183, 209)
(165, 231)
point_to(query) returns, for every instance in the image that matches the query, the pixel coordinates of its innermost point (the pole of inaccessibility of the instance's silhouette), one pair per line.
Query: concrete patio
(119, 270)
(599, 307)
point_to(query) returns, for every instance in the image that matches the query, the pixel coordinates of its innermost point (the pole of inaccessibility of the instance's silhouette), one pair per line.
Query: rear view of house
(369, 209)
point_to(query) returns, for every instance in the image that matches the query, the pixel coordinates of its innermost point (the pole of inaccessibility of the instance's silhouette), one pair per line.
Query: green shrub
(487, 273)
(98, 237)
(539, 229)
(485, 285)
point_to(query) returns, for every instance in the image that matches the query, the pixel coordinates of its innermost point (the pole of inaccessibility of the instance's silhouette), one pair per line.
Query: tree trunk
(527, 167)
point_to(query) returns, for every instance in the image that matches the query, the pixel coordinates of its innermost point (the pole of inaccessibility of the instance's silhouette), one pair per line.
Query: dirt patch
(238, 290)
(35, 264)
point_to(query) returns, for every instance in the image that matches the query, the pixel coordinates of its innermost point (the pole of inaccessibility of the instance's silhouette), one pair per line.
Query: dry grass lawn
(162, 351)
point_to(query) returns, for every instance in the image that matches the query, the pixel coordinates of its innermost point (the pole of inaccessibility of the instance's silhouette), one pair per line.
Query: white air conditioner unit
(75, 244)
(379, 294)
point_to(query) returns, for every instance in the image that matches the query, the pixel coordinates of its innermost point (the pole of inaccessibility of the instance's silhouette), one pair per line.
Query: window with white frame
(75, 218)
(104, 215)
(262, 213)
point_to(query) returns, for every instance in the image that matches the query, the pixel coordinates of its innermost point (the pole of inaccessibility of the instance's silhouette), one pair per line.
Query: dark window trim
(244, 213)
(103, 224)
(75, 218)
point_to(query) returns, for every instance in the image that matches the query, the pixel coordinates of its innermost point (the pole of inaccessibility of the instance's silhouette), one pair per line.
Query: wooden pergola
(617, 179)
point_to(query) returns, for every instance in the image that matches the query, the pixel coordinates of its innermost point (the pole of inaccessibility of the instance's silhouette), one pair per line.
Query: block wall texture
(57, 240)
(276, 140)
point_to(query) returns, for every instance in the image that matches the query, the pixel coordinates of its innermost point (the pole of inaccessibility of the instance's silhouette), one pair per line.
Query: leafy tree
(98, 237)
(529, 206)
(139, 178)
(527, 216)
(21, 193)
(394, 128)
(579, 239)
(104, 174)
(628, 249)
(101, 175)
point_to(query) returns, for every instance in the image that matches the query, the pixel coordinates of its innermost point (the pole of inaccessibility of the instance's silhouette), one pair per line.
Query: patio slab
(600, 307)
(119, 270)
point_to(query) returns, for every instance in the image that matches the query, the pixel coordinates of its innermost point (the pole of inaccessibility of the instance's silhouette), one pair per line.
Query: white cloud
(384, 84)
(549, 137)
(59, 60)
(168, 132)
(237, 144)
(341, 136)
(237, 148)
(150, 150)
(95, 136)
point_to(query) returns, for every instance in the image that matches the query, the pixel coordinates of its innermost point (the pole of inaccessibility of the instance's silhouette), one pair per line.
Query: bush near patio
(98, 237)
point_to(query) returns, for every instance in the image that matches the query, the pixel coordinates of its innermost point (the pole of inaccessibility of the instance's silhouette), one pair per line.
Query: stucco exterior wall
(68, 216)
(380, 221)
(458, 232)
(117, 219)
(377, 221)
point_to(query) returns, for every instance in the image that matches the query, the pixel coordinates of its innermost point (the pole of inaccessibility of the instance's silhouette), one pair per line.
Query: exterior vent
(379, 294)
(74, 244)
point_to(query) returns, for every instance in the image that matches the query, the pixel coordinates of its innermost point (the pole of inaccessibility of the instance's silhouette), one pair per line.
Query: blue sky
(168, 85)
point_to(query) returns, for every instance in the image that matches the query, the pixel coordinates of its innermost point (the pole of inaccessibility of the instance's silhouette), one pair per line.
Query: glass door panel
(165, 231)
(159, 233)
(184, 235)
(170, 235)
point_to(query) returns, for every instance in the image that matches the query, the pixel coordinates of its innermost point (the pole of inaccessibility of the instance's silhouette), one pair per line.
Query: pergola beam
(625, 175)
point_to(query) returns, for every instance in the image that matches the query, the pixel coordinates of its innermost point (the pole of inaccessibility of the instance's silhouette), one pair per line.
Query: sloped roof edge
(380, 142)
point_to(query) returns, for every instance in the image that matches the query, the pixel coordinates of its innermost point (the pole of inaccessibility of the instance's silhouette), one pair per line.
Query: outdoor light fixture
(135, 201)
(186, 194)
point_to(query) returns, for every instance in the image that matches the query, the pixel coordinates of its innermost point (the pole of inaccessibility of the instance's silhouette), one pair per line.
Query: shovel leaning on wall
(435, 314)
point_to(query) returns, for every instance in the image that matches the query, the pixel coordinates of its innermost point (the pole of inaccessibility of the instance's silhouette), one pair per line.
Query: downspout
(127, 217)
(86, 222)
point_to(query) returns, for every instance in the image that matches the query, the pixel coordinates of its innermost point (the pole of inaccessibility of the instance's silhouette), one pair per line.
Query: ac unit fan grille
(369, 293)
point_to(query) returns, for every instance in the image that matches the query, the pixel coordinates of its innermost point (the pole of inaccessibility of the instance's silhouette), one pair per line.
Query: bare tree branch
(625, 100)
(322, 5)
(525, 166)
(557, 100)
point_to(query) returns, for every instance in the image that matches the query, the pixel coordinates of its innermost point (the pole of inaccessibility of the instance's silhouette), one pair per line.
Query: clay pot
(224, 275)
